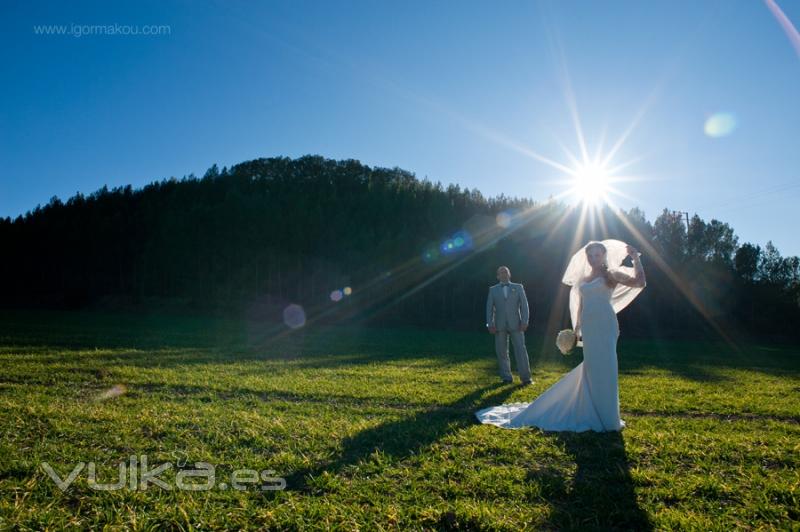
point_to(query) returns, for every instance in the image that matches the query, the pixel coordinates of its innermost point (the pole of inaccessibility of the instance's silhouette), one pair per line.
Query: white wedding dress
(586, 398)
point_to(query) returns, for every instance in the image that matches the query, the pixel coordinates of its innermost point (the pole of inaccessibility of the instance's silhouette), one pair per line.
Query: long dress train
(586, 398)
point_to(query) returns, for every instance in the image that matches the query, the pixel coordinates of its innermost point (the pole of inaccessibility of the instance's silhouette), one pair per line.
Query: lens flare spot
(503, 220)
(430, 255)
(337, 295)
(114, 391)
(458, 242)
(720, 125)
(294, 316)
(347, 291)
(462, 240)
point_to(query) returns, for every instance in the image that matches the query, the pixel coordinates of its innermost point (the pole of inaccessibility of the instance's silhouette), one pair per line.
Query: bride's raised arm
(638, 280)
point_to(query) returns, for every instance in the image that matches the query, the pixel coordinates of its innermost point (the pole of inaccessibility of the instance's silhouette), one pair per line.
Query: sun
(591, 183)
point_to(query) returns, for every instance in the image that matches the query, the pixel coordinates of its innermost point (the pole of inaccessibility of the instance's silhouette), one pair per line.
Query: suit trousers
(520, 354)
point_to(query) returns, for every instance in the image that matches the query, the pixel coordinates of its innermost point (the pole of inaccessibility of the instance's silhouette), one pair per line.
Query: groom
(507, 314)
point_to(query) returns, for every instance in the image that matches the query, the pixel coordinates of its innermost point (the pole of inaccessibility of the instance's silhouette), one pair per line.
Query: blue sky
(459, 92)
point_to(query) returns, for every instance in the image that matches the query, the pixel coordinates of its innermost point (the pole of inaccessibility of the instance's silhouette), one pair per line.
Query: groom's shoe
(526, 383)
(508, 381)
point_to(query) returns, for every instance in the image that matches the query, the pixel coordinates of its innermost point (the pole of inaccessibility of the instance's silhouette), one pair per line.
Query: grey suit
(506, 314)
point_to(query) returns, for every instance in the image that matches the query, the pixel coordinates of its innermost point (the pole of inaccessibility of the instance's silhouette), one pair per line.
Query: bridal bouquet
(566, 340)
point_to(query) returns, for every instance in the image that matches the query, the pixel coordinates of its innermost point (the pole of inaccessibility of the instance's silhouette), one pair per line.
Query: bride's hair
(607, 274)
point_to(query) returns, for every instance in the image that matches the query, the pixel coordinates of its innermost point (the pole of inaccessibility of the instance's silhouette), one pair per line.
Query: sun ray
(602, 220)
(631, 178)
(561, 302)
(572, 159)
(578, 237)
(619, 193)
(569, 95)
(599, 150)
(675, 279)
(614, 170)
(554, 228)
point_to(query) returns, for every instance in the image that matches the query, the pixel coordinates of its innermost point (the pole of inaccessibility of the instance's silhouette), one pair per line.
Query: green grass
(374, 429)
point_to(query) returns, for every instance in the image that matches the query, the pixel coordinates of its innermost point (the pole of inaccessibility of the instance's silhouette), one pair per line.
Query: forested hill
(344, 241)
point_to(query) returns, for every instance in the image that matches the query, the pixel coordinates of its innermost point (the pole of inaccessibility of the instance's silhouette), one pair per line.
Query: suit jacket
(507, 313)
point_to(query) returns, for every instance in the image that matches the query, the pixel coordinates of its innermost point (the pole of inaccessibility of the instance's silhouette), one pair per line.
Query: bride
(586, 398)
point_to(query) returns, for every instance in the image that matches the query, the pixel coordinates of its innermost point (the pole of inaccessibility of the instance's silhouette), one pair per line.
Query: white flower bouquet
(566, 341)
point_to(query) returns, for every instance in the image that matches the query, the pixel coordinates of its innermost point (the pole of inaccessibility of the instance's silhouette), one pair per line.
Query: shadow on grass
(184, 393)
(601, 494)
(702, 361)
(401, 438)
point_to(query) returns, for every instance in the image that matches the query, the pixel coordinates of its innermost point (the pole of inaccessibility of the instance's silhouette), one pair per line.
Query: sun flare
(591, 183)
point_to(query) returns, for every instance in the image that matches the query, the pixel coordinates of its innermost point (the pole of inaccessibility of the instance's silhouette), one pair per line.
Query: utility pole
(681, 214)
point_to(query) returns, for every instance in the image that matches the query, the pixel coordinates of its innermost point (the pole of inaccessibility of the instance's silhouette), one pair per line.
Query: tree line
(343, 241)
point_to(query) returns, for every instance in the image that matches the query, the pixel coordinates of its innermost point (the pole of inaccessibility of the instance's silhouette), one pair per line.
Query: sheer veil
(579, 267)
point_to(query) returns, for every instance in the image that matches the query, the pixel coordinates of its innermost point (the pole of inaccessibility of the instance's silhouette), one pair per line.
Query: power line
(736, 200)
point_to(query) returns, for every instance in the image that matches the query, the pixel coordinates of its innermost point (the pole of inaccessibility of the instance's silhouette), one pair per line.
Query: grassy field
(374, 429)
